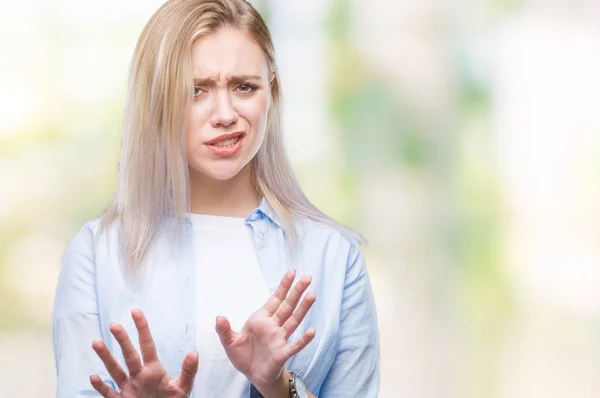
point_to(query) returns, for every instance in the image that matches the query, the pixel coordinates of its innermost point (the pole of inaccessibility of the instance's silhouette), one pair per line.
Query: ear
(272, 80)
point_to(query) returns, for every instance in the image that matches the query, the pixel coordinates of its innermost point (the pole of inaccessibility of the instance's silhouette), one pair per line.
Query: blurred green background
(461, 138)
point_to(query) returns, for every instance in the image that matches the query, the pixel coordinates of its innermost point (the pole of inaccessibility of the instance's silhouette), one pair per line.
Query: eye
(246, 88)
(198, 91)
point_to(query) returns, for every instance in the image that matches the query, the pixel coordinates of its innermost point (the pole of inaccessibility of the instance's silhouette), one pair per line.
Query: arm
(75, 321)
(261, 350)
(355, 370)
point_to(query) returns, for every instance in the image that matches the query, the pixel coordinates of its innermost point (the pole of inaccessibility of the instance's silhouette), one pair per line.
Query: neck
(235, 197)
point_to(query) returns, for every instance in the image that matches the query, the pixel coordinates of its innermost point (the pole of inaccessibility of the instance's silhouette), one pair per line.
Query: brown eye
(246, 88)
(198, 91)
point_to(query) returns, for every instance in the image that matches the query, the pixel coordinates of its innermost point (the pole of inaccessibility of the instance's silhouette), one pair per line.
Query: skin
(232, 83)
(224, 102)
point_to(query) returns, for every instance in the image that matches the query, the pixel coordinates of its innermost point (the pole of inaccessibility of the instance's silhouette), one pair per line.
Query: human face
(227, 119)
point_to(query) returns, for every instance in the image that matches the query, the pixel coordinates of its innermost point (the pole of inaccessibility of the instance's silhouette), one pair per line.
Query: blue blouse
(95, 290)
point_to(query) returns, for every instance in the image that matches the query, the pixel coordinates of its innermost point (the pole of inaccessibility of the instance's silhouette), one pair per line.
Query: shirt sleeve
(75, 321)
(355, 370)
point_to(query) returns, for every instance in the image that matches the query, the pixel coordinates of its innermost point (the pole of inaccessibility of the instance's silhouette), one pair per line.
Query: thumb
(185, 381)
(223, 328)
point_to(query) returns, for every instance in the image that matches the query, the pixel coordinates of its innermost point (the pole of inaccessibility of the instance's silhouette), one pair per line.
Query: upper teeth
(230, 141)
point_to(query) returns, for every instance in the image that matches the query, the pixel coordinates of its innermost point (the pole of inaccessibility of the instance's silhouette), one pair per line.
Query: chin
(223, 176)
(219, 173)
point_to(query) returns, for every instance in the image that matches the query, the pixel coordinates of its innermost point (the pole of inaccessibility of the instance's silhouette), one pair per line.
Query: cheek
(255, 112)
(196, 118)
(189, 133)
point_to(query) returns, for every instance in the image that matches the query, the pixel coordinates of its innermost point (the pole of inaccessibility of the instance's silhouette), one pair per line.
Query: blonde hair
(153, 184)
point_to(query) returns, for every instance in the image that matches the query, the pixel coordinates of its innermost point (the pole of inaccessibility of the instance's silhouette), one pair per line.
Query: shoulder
(79, 254)
(83, 240)
(97, 230)
(317, 234)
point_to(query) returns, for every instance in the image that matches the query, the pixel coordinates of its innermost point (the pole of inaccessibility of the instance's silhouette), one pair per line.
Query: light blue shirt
(95, 290)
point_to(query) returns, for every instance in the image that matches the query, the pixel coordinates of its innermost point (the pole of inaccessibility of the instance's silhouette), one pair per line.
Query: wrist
(279, 389)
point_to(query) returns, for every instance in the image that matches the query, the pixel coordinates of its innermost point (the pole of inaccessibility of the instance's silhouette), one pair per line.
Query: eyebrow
(231, 79)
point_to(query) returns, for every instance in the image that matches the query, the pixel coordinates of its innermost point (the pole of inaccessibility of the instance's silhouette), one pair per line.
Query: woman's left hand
(260, 350)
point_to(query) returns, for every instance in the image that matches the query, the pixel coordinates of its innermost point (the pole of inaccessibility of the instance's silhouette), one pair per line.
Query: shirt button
(261, 235)
(253, 217)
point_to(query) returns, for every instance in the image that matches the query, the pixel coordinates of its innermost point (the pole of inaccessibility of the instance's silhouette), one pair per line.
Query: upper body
(93, 291)
(202, 137)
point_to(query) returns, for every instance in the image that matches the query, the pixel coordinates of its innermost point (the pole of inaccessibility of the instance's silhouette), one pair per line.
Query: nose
(223, 113)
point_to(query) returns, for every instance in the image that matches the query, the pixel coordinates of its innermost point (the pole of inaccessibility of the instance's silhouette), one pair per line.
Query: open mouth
(227, 143)
(227, 147)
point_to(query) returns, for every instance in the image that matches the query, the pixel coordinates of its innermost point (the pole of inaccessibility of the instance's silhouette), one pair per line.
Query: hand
(149, 380)
(260, 350)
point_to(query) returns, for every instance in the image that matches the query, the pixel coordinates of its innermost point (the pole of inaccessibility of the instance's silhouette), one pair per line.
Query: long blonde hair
(153, 185)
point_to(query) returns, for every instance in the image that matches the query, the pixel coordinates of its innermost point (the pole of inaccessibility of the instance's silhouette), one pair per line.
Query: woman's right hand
(147, 380)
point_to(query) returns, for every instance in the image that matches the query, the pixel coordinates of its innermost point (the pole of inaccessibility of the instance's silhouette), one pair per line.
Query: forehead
(226, 52)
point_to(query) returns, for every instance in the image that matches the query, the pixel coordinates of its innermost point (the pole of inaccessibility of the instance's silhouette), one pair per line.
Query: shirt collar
(264, 209)
(267, 211)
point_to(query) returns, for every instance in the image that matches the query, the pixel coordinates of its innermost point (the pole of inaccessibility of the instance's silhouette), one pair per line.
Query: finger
(110, 363)
(189, 368)
(147, 346)
(298, 345)
(102, 388)
(282, 290)
(292, 323)
(291, 301)
(132, 359)
(223, 328)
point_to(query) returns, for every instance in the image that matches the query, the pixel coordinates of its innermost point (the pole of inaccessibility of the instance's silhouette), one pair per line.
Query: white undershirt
(229, 282)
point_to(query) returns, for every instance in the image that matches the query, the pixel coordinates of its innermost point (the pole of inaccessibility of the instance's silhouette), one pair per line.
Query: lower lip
(226, 151)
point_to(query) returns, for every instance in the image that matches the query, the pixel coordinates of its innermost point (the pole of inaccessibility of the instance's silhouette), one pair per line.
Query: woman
(206, 234)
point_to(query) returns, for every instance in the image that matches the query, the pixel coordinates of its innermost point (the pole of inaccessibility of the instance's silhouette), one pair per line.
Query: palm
(260, 350)
(149, 380)
(260, 344)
